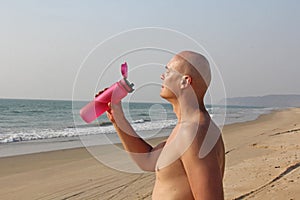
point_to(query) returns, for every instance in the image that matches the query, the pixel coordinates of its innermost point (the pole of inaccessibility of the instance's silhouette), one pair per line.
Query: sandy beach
(262, 162)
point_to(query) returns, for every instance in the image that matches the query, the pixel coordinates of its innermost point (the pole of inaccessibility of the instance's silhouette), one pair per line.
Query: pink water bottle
(114, 94)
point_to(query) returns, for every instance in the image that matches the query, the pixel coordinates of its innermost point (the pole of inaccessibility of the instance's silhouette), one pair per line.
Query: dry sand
(262, 162)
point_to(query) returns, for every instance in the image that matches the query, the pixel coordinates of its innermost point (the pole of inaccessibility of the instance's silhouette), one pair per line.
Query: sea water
(48, 121)
(23, 120)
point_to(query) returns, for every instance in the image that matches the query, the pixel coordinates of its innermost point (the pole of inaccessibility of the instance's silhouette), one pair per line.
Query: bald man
(190, 163)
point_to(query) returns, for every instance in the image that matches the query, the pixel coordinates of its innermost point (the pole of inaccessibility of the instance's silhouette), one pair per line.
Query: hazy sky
(255, 44)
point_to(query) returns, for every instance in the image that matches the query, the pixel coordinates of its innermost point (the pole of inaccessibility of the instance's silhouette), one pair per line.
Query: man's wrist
(119, 117)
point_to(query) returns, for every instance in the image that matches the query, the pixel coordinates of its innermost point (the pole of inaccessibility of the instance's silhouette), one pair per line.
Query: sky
(58, 49)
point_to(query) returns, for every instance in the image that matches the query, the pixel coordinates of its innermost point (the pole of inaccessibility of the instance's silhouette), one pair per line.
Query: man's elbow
(147, 168)
(144, 162)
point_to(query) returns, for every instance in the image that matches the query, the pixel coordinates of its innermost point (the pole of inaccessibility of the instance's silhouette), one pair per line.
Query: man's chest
(173, 169)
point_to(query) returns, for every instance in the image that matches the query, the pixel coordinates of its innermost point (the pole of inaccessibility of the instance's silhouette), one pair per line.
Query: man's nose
(162, 77)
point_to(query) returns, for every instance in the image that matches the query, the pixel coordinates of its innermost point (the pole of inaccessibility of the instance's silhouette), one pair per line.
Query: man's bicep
(150, 159)
(155, 153)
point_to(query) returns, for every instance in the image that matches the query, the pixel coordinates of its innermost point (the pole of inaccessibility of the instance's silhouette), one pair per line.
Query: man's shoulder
(198, 132)
(189, 133)
(196, 127)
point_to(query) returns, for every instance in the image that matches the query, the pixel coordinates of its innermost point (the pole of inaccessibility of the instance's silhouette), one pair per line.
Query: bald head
(197, 67)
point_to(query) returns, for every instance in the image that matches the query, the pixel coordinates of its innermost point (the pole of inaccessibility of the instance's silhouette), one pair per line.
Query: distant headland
(265, 101)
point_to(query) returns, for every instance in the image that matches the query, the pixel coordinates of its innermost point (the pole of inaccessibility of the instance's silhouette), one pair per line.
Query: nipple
(157, 168)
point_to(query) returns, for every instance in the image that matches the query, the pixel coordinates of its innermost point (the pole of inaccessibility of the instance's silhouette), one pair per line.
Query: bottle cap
(124, 70)
(127, 85)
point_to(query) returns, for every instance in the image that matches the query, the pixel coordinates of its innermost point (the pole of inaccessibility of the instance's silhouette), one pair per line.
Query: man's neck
(185, 109)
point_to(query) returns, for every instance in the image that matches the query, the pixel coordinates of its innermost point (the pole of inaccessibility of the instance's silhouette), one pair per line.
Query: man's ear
(185, 81)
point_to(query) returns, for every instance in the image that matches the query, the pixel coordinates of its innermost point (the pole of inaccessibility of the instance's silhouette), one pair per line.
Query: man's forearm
(131, 141)
(139, 150)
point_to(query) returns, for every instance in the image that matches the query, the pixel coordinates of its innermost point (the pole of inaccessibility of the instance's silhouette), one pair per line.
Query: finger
(109, 108)
(109, 105)
(110, 115)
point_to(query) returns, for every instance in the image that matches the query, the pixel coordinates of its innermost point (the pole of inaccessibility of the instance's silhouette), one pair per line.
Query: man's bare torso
(172, 181)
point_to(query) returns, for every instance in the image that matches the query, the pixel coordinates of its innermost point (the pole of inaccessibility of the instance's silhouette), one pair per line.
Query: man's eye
(167, 70)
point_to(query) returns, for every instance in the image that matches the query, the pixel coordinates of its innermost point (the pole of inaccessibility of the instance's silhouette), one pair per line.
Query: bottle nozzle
(124, 70)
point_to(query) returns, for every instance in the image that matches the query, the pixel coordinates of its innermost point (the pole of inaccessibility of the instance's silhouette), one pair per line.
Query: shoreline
(63, 143)
(262, 162)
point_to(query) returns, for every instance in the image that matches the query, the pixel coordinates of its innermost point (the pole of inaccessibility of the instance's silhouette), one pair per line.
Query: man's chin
(164, 96)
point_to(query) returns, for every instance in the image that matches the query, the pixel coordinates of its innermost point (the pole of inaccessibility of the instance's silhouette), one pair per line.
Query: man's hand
(114, 110)
(110, 115)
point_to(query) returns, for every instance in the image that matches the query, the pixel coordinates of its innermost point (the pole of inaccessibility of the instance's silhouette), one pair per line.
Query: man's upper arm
(203, 174)
(159, 146)
(149, 161)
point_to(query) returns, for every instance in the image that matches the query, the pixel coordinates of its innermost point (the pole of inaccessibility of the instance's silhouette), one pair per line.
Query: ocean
(38, 121)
